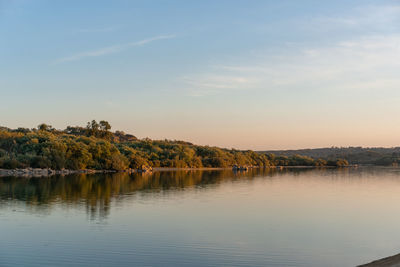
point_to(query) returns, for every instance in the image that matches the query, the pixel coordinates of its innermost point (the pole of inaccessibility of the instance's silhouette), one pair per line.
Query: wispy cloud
(367, 61)
(370, 17)
(209, 83)
(361, 64)
(95, 30)
(112, 49)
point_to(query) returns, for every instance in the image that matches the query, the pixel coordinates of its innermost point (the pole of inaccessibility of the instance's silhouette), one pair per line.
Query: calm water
(211, 218)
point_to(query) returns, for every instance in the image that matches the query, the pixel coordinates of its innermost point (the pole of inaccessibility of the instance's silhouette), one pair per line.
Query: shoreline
(38, 172)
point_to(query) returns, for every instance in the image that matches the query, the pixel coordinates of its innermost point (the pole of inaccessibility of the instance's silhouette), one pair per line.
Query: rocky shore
(38, 172)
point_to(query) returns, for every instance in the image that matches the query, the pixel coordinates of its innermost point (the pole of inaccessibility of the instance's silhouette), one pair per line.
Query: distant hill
(354, 155)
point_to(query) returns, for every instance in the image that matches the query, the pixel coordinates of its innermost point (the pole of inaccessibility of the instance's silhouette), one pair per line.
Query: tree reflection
(97, 191)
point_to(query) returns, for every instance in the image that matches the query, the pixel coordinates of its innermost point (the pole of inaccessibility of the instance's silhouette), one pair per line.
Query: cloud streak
(209, 84)
(371, 17)
(365, 62)
(361, 65)
(112, 49)
(96, 30)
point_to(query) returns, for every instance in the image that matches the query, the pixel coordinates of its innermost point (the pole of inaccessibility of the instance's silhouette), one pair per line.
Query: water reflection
(97, 191)
(290, 217)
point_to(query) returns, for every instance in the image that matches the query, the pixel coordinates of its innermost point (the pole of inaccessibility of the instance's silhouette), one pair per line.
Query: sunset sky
(244, 74)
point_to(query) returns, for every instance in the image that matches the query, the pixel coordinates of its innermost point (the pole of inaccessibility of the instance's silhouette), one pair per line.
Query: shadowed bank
(393, 261)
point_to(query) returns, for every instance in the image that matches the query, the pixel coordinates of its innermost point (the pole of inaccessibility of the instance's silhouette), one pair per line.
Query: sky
(238, 74)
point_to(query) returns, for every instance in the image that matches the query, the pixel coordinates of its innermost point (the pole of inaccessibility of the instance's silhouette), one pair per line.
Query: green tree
(45, 127)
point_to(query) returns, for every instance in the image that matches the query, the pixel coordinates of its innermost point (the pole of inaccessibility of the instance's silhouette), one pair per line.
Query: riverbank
(38, 172)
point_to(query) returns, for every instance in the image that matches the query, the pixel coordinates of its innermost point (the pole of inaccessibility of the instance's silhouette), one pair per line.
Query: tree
(92, 128)
(105, 126)
(105, 130)
(45, 127)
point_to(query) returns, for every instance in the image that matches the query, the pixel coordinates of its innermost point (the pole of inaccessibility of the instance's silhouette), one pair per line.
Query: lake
(297, 217)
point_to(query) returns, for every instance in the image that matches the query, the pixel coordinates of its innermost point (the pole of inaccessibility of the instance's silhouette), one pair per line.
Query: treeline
(96, 147)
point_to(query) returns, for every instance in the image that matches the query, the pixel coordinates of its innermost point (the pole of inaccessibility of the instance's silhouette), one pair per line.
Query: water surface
(320, 217)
